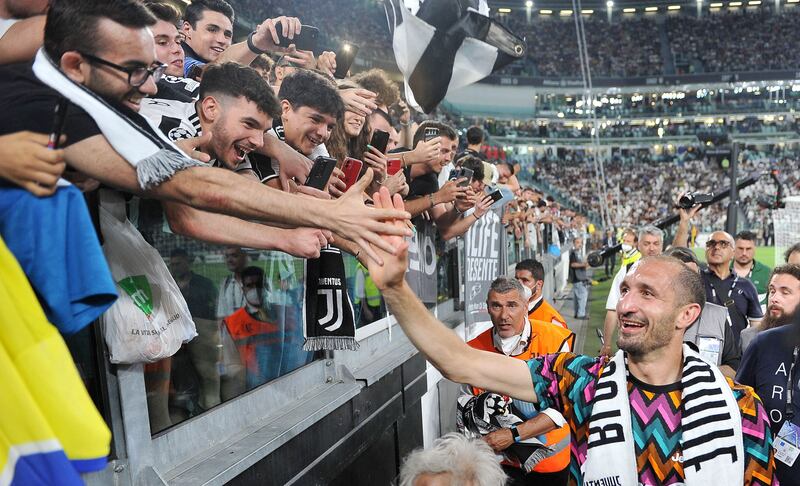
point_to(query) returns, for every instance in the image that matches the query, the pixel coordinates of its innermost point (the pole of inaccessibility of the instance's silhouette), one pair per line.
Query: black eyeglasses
(720, 243)
(137, 76)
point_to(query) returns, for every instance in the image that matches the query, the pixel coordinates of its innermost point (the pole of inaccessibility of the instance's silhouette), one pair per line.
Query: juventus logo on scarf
(328, 321)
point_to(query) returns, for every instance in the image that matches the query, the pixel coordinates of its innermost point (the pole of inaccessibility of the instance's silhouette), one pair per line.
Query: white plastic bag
(150, 320)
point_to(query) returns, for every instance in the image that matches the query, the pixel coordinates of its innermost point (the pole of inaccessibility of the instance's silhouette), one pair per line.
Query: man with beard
(746, 266)
(769, 365)
(649, 242)
(655, 414)
(782, 304)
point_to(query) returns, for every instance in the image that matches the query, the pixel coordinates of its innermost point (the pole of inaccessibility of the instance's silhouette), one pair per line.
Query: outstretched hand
(392, 273)
(369, 227)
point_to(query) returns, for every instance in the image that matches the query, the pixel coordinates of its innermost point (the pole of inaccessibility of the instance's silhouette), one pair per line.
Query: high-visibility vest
(547, 313)
(252, 338)
(546, 338)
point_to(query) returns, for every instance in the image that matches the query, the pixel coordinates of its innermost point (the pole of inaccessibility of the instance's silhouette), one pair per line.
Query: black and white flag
(448, 44)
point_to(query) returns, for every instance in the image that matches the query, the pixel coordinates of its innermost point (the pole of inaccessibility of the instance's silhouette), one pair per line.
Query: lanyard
(790, 385)
(730, 290)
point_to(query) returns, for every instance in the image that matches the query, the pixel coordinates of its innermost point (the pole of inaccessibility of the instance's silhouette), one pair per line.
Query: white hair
(468, 461)
(652, 231)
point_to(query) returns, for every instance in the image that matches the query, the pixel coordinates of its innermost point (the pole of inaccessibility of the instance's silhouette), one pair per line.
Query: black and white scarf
(711, 427)
(487, 412)
(155, 158)
(328, 321)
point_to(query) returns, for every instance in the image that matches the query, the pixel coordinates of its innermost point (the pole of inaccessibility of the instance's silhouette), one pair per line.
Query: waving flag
(448, 44)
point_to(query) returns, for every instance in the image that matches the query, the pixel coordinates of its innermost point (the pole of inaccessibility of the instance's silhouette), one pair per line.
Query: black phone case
(380, 140)
(344, 61)
(320, 172)
(306, 41)
(496, 196)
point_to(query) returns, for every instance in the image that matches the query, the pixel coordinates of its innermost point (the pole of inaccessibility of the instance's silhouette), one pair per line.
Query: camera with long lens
(688, 200)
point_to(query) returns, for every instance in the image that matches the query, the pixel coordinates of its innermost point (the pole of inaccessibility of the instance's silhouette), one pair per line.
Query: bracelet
(477, 218)
(430, 196)
(515, 433)
(251, 46)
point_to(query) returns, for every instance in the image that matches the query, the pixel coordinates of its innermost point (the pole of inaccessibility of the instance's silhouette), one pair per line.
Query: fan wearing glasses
(727, 289)
(118, 71)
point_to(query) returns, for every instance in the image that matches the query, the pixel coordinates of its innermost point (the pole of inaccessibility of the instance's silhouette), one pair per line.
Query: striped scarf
(711, 428)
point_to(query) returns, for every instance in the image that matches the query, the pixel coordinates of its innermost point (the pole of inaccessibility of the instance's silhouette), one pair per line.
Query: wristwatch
(515, 433)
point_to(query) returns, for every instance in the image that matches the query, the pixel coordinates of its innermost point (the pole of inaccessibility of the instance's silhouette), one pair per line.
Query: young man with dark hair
(531, 274)
(769, 365)
(208, 26)
(746, 266)
(106, 47)
(173, 85)
(236, 107)
(717, 428)
(475, 142)
(449, 206)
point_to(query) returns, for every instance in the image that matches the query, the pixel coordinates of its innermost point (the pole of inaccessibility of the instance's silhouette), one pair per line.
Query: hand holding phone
(496, 196)
(344, 59)
(305, 41)
(320, 172)
(393, 166)
(352, 169)
(430, 133)
(380, 140)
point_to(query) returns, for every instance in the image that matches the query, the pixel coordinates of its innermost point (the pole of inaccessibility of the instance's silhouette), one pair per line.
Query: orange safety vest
(250, 334)
(547, 313)
(546, 338)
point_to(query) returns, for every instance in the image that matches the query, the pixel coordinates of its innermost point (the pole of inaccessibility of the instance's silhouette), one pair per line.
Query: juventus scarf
(487, 412)
(327, 312)
(155, 158)
(447, 45)
(711, 427)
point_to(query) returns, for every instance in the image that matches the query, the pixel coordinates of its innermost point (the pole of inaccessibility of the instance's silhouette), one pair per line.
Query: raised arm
(223, 191)
(441, 346)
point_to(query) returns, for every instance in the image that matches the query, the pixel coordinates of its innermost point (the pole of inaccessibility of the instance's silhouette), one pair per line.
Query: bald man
(726, 288)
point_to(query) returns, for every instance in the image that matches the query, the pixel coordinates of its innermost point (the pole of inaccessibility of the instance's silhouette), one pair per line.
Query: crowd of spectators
(626, 129)
(639, 188)
(735, 41)
(746, 40)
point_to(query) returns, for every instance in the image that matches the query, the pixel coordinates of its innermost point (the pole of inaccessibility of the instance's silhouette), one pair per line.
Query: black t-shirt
(765, 366)
(29, 105)
(422, 185)
(178, 89)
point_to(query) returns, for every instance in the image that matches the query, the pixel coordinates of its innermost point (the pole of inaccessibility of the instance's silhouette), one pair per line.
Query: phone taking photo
(380, 140)
(496, 196)
(344, 59)
(466, 174)
(59, 117)
(320, 172)
(352, 169)
(305, 41)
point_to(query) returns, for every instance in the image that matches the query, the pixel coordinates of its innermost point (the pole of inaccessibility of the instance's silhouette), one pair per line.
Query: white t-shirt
(613, 293)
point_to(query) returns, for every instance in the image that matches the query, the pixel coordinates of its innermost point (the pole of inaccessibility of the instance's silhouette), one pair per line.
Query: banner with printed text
(483, 248)
(421, 275)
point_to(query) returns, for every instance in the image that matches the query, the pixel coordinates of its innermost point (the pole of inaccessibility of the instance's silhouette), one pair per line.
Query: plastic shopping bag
(150, 320)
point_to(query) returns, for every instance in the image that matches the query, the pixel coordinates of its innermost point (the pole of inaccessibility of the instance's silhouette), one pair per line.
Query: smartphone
(344, 59)
(431, 133)
(59, 117)
(496, 195)
(393, 166)
(455, 174)
(321, 172)
(466, 173)
(306, 41)
(351, 168)
(380, 140)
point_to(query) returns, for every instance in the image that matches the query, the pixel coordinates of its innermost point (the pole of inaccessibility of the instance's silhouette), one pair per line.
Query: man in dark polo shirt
(726, 288)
